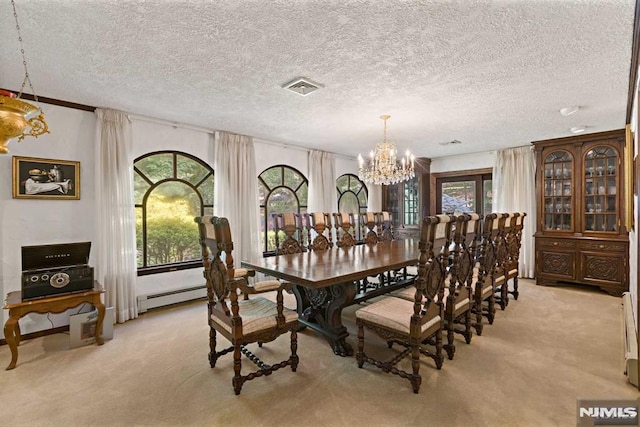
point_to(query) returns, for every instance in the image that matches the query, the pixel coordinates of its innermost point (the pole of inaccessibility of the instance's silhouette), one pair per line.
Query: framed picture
(45, 179)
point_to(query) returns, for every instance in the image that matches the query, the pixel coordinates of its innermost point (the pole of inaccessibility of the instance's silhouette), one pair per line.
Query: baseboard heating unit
(147, 302)
(630, 340)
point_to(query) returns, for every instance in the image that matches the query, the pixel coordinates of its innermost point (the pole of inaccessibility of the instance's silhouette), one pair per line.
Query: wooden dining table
(327, 281)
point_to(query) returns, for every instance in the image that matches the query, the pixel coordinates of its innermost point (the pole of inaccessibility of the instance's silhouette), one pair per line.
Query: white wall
(463, 162)
(42, 221)
(35, 222)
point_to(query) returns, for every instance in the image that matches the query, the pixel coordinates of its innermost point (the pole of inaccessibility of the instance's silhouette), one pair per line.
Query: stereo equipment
(49, 270)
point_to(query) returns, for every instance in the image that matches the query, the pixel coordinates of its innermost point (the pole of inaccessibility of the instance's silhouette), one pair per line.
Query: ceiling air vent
(302, 86)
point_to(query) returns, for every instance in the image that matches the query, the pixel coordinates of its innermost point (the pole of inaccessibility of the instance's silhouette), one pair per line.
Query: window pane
(291, 178)
(262, 193)
(342, 183)
(140, 188)
(139, 248)
(172, 235)
(282, 200)
(355, 185)
(411, 202)
(206, 190)
(487, 192)
(272, 177)
(348, 203)
(362, 198)
(458, 196)
(156, 167)
(302, 194)
(190, 170)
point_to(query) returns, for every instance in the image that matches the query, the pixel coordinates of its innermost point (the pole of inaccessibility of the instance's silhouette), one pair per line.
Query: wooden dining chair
(501, 231)
(513, 248)
(369, 224)
(385, 233)
(288, 228)
(482, 282)
(209, 248)
(242, 322)
(345, 227)
(450, 242)
(412, 324)
(319, 230)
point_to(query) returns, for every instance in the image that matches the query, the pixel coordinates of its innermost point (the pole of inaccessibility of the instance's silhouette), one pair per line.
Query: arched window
(280, 189)
(170, 189)
(352, 197)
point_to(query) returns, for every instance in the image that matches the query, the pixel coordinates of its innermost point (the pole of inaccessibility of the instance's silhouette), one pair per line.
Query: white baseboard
(630, 340)
(147, 302)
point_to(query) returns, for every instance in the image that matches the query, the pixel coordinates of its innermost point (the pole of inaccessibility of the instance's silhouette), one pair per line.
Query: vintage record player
(49, 270)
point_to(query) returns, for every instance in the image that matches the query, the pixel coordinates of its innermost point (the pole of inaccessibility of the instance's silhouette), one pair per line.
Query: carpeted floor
(549, 348)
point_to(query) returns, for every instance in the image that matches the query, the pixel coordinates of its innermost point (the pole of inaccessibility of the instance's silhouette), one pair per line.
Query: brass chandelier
(15, 114)
(383, 168)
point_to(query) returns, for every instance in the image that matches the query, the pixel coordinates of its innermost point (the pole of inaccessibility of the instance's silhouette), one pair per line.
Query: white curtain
(374, 193)
(236, 193)
(514, 190)
(116, 231)
(323, 195)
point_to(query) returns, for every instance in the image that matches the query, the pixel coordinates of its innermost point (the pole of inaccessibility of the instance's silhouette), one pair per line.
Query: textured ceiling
(492, 74)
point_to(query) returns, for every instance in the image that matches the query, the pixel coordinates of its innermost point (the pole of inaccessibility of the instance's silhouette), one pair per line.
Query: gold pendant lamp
(18, 118)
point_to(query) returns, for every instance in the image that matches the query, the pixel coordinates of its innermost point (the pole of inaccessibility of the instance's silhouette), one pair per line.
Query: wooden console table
(54, 304)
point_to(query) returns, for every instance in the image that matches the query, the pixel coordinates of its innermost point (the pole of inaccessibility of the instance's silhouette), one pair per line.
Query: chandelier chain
(24, 60)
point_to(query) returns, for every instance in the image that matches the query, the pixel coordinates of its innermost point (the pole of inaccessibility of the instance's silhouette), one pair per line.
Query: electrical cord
(49, 319)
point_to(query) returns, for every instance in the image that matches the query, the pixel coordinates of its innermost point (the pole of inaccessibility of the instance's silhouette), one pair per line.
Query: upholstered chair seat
(258, 314)
(395, 314)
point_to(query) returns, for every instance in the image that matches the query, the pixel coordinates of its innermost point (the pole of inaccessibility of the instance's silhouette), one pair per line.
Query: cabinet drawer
(604, 246)
(556, 244)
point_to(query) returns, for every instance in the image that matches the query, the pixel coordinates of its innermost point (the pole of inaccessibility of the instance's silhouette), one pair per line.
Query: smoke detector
(302, 86)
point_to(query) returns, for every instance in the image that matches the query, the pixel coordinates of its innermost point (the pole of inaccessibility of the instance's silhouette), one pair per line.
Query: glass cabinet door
(601, 189)
(558, 191)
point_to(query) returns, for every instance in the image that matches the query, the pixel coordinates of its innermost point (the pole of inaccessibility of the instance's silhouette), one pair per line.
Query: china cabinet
(581, 237)
(408, 201)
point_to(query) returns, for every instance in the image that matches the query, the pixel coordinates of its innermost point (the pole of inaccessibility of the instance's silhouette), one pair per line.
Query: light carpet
(549, 348)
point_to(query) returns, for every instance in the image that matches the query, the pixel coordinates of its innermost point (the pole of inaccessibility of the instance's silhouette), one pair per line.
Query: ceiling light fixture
(15, 114)
(578, 129)
(383, 167)
(567, 111)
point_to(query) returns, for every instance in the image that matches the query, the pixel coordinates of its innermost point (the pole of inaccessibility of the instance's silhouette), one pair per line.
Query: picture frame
(35, 178)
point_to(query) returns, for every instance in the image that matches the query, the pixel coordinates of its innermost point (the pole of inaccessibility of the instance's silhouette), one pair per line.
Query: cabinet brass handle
(555, 243)
(601, 246)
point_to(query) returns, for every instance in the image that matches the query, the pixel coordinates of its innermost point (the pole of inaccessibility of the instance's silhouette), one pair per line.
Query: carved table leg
(12, 336)
(18, 333)
(303, 306)
(324, 313)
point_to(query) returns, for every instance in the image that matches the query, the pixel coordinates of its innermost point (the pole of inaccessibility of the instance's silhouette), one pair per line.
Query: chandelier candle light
(383, 168)
(16, 114)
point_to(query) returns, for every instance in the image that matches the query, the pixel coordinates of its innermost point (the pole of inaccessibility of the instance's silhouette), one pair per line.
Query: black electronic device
(49, 270)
